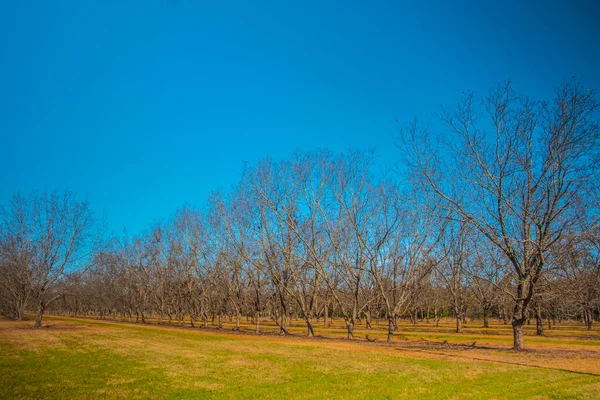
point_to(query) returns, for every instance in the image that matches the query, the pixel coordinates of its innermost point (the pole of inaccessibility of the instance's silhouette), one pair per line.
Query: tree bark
(350, 328)
(539, 323)
(309, 327)
(238, 319)
(486, 320)
(282, 329)
(390, 336)
(368, 320)
(38, 320)
(518, 334)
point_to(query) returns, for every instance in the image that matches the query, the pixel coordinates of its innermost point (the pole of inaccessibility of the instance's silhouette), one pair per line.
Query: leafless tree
(48, 235)
(515, 176)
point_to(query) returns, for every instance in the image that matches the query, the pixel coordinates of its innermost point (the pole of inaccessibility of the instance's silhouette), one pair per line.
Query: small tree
(52, 235)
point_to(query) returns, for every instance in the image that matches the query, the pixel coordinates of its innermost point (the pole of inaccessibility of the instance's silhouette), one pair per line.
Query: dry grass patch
(92, 359)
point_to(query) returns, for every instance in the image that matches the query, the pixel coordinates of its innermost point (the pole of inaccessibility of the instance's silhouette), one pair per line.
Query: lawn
(90, 359)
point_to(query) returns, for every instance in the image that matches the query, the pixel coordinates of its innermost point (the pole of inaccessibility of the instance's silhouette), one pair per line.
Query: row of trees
(496, 217)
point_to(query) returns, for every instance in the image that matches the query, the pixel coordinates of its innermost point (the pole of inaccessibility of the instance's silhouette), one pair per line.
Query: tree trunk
(309, 327)
(518, 334)
(486, 321)
(390, 336)
(459, 324)
(238, 320)
(350, 328)
(20, 310)
(539, 323)
(38, 320)
(282, 330)
(257, 319)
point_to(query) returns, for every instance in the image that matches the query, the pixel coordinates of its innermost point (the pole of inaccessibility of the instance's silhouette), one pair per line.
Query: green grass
(86, 360)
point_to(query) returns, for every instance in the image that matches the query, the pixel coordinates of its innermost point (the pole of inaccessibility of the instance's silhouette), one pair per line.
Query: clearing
(101, 359)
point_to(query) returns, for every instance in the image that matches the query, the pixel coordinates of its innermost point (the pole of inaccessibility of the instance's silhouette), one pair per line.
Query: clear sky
(144, 106)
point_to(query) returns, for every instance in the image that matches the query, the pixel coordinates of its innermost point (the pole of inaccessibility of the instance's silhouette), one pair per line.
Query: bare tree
(453, 268)
(516, 183)
(50, 235)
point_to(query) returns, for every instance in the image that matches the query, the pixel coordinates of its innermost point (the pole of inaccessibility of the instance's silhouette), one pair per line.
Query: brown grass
(554, 352)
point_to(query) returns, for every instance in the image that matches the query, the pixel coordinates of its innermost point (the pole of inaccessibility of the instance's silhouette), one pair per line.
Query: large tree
(514, 169)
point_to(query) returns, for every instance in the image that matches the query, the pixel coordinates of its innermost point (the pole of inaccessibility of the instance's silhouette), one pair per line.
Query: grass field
(75, 358)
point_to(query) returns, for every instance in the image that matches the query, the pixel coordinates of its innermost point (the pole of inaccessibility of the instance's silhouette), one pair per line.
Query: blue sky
(144, 106)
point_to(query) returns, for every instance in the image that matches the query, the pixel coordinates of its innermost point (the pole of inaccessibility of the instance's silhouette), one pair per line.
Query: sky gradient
(145, 106)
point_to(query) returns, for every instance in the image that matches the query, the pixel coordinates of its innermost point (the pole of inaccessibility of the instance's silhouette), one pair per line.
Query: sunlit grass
(89, 359)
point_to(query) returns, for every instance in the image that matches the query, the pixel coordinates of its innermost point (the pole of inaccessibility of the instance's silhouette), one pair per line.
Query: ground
(102, 359)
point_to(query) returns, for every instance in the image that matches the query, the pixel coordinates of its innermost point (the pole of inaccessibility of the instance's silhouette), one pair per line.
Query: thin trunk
(238, 319)
(539, 323)
(350, 328)
(486, 321)
(309, 327)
